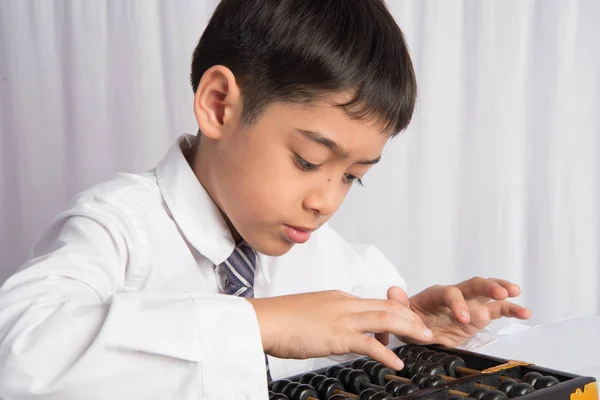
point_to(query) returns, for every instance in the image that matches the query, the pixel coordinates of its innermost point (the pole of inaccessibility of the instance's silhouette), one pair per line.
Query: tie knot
(239, 271)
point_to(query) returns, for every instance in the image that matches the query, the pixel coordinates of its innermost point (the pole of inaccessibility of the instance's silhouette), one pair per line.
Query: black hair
(300, 50)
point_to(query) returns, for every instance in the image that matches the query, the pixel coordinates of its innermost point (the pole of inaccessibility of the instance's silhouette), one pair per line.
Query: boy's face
(282, 177)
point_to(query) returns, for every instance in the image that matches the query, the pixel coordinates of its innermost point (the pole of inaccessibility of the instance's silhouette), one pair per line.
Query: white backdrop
(499, 174)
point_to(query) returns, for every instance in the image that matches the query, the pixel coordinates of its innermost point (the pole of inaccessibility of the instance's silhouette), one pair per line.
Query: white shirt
(121, 298)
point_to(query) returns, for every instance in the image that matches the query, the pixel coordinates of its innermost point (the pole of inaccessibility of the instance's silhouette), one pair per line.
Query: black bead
(368, 366)
(287, 389)
(277, 396)
(402, 351)
(277, 386)
(356, 381)
(506, 385)
(381, 396)
(419, 378)
(378, 373)
(437, 358)
(416, 352)
(337, 397)
(478, 393)
(408, 388)
(520, 389)
(333, 370)
(366, 394)
(343, 374)
(327, 386)
(393, 387)
(416, 367)
(450, 364)
(531, 377)
(303, 392)
(315, 380)
(425, 356)
(546, 382)
(358, 363)
(305, 378)
(433, 381)
(434, 369)
(494, 395)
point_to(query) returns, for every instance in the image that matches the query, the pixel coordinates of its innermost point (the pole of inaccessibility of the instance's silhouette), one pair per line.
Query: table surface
(570, 346)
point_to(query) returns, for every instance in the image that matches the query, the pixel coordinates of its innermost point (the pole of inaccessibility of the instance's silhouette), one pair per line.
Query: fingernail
(427, 333)
(464, 314)
(399, 365)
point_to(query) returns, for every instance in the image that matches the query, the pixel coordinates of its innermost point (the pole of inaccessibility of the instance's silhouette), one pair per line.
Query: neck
(198, 157)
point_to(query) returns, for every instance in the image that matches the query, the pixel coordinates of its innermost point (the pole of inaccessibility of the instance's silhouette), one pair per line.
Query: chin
(275, 248)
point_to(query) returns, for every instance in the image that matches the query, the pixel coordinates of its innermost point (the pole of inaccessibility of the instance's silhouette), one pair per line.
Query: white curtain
(498, 175)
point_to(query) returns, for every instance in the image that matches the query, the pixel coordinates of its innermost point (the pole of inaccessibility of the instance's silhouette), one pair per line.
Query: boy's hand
(334, 323)
(456, 313)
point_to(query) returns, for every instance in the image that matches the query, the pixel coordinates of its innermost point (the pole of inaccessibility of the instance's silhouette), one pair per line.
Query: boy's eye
(305, 165)
(350, 179)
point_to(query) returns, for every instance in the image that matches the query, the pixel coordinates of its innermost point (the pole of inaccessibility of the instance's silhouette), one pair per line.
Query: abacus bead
(408, 363)
(305, 378)
(419, 378)
(402, 351)
(416, 352)
(368, 366)
(303, 392)
(434, 369)
(381, 396)
(333, 370)
(545, 382)
(366, 394)
(277, 386)
(358, 363)
(408, 388)
(277, 396)
(427, 355)
(437, 358)
(287, 390)
(378, 374)
(507, 385)
(343, 374)
(327, 386)
(416, 367)
(459, 398)
(356, 380)
(393, 387)
(520, 389)
(450, 364)
(478, 393)
(337, 397)
(494, 395)
(433, 381)
(315, 380)
(531, 377)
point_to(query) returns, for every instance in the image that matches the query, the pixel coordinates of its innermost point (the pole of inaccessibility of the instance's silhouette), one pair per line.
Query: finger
(397, 294)
(499, 309)
(512, 288)
(383, 338)
(400, 324)
(452, 297)
(371, 347)
(480, 287)
(366, 305)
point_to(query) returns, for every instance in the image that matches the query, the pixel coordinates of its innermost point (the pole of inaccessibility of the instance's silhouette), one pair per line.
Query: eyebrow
(333, 146)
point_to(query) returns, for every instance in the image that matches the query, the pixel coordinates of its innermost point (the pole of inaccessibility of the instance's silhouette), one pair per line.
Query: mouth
(298, 234)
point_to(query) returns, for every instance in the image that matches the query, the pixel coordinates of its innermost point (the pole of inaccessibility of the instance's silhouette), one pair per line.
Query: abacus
(435, 373)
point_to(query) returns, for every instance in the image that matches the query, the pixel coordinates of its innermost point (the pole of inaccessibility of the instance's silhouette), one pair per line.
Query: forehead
(327, 117)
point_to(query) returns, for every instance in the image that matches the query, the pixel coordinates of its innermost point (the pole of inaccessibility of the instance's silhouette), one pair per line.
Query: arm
(68, 331)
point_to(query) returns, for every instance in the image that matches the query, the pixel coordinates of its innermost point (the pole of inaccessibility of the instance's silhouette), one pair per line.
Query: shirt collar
(193, 210)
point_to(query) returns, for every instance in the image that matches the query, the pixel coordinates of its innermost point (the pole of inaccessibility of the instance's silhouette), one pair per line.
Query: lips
(298, 234)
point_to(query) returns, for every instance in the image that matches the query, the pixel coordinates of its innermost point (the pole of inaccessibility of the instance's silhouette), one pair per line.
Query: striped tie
(239, 276)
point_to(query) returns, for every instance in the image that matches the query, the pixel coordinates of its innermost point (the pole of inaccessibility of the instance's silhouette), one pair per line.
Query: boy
(173, 284)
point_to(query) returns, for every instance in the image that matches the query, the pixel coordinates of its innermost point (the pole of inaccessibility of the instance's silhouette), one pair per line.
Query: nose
(325, 199)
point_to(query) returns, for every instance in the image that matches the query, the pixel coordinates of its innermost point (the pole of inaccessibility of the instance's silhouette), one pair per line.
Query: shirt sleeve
(69, 330)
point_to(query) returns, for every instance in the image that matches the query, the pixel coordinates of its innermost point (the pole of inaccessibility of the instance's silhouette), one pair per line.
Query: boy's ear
(217, 101)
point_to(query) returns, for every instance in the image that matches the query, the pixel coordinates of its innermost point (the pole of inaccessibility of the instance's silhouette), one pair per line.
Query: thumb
(396, 294)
